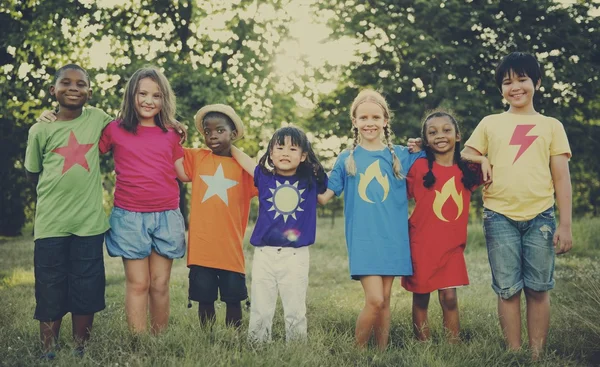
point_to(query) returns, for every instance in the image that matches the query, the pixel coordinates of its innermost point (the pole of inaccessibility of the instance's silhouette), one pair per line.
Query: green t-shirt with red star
(69, 191)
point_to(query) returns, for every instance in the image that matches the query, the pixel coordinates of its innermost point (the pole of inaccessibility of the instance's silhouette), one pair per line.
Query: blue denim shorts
(521, 253)
(133, 235)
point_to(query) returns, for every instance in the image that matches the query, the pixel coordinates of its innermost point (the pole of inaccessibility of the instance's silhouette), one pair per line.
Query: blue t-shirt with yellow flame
(375, 210)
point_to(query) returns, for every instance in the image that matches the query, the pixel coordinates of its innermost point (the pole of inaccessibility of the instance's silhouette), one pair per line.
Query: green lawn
(333, 304)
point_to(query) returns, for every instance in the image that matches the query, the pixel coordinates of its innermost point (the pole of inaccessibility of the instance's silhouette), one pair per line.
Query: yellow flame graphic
(448, 190)
(373, 172)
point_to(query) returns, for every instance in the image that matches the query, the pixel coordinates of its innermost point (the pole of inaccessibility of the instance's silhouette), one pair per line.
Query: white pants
(285, 270)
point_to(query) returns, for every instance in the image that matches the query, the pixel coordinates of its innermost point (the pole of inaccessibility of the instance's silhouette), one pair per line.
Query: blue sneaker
(48, 356)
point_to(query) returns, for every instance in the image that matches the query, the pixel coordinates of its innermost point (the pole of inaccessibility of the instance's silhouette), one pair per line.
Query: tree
(425, 54)
(211, 52)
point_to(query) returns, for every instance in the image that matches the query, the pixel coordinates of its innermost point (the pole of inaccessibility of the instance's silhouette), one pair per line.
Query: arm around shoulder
(244, 160)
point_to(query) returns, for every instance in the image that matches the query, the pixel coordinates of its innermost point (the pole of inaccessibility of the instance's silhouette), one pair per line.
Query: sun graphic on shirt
(286, 199)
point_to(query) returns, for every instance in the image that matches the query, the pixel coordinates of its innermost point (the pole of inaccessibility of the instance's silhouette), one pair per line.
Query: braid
(470, 177)
(429, 178)
(397, 167)
(350, 163)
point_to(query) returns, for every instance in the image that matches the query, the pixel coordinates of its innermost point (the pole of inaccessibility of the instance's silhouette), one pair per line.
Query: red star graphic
(74, 153)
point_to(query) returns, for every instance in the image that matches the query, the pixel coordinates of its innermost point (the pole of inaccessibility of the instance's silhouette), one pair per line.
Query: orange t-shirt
(221, 193)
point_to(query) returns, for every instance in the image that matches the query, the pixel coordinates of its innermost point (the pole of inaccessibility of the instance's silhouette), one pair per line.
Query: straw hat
(224, 109)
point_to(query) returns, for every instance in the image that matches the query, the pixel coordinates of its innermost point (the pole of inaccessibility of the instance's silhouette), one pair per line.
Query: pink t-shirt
(144, 164)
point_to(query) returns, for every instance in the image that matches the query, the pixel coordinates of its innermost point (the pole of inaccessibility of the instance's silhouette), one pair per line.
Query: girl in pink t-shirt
(147, 228)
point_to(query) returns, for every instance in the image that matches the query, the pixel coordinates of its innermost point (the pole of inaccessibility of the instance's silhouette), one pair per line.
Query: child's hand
(181, 130)
(563, 239)
(47, 116)
(414, 145)
(486, 172)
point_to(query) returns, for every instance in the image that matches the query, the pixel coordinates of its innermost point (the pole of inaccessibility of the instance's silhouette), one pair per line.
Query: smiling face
(441, 135)
(148, 101)
(287, 157)
(71, 89)
(370, 120)
(518, 91)
(218, 135)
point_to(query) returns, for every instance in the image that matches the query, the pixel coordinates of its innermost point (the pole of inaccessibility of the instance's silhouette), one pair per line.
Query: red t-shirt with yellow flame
(438, 229)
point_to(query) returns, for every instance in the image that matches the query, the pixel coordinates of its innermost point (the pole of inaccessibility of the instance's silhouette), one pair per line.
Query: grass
(334, 301)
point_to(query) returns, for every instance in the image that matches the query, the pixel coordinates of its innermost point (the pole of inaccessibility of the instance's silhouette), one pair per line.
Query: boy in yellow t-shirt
(529, 154)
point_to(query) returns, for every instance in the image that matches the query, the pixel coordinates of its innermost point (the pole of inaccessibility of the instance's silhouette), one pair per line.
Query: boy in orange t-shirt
(221, 193)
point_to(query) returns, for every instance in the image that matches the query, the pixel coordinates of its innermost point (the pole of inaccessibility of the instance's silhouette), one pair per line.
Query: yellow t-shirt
(519, 148)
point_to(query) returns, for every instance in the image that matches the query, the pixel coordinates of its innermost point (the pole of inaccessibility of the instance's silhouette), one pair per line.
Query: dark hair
(128, 113)
(219, 115)
(310, 169)
(520, 63)
(470, 177)
(70, 67)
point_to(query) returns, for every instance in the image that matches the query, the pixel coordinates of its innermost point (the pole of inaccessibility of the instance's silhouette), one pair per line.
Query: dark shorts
(204, 283)
(69, 276)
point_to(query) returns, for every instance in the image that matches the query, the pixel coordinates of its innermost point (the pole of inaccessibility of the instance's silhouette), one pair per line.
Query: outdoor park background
(303, 62)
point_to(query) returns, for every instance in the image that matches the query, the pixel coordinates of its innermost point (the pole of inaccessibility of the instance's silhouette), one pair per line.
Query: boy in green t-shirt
(62, 159)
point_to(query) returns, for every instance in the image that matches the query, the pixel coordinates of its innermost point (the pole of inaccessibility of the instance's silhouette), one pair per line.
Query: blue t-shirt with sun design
(287, 210)
(375, 211)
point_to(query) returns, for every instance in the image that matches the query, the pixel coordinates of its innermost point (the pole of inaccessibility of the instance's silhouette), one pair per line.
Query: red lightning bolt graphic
(520, 138)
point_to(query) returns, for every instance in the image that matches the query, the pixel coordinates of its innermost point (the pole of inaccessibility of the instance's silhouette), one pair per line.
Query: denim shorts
(133, 235)
(69, 276)
(205, 282)
(521, 253)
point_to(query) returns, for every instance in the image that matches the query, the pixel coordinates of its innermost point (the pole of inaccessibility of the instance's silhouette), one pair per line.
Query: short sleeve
(188, 161)
(411, 181)
(560, 142)
(252, 182)
(105, 144)
(322, 187)
(478, 140)
(337, 177)
(177, 148)
(406, 157)
(106, 119)
(35, 149)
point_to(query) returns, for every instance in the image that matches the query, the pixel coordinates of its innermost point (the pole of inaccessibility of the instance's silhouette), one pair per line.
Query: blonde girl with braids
(371, 174)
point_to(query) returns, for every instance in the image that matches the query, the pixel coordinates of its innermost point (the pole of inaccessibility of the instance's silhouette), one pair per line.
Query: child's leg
(419, 315)
(82, 328)
(503, 239)
(160, 274)
(374, 304)
(538, 319)
(382, 323)
(137, 286)
(293, 284)
(449, 302)
(51, 268)
(86, 285)
(233, 314)
(206, 313)
(538, 273)
(509, 313)
(264, 295)
(49, 332)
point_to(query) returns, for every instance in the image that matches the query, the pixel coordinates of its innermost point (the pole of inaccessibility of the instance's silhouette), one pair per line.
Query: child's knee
(138, 285)
(376, 303)
(448, 299)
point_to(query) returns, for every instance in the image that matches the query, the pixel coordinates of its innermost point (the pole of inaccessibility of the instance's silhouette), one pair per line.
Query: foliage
(424, 54)
(210, 51)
